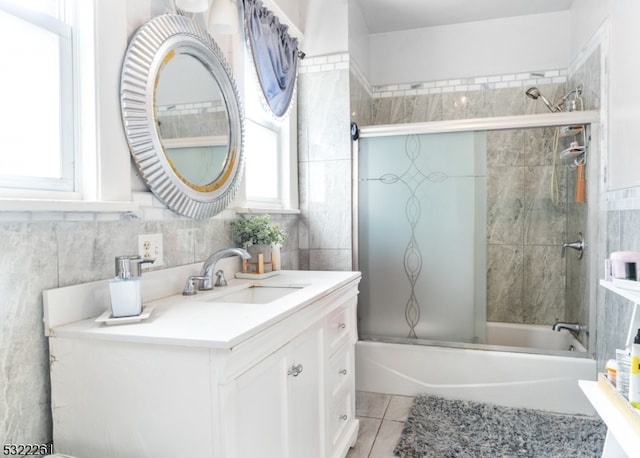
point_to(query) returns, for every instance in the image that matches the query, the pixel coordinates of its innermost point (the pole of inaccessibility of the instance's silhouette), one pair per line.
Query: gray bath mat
(442, 428)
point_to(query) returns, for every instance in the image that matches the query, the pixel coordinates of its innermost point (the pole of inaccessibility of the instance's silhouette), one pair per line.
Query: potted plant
(257, 234)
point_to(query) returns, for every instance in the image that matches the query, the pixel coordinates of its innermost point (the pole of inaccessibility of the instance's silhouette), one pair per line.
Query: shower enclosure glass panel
(422, 236)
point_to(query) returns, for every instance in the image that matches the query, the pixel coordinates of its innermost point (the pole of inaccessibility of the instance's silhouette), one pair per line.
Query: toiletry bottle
(126, 295)
(623, 358)
(634, 373)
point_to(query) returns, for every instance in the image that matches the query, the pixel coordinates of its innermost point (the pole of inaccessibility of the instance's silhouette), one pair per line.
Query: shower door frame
(591, 118)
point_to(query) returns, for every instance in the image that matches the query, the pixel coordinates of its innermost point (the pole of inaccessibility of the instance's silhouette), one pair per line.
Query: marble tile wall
(324, 149)
(44, 251)
(525, 230)
(502, 95)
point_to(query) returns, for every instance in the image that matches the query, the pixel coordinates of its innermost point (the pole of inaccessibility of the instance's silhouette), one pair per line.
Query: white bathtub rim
(511, 379)
(476, 346)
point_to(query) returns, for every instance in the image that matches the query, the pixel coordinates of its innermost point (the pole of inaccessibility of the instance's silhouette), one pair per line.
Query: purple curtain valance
(275, 55)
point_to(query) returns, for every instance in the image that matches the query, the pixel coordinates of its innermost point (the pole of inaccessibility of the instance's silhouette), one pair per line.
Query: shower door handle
(578, 245)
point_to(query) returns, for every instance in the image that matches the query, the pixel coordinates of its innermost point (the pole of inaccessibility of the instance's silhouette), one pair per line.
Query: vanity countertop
(196, 321)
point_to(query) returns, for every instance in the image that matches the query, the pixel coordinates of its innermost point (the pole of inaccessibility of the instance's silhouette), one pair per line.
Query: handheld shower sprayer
(535, 94)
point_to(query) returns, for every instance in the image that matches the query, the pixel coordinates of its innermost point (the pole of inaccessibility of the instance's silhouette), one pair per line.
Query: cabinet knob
(342, 325)
(295, 370)
(342, 372)
(344, 417)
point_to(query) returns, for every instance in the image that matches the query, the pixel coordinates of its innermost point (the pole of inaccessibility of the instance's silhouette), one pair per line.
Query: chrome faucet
(578, 245)
(573, 327)
(204, 281)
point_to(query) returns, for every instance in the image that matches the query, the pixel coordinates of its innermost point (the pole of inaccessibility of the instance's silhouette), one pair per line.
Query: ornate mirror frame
(154, 44)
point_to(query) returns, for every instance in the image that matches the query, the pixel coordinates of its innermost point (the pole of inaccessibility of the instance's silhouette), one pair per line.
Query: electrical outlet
(150, 247)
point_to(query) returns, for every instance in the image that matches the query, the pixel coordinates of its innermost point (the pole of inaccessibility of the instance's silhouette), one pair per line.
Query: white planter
(255, 250)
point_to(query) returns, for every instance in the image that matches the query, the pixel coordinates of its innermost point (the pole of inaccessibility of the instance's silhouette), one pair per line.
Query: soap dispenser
(126, 295)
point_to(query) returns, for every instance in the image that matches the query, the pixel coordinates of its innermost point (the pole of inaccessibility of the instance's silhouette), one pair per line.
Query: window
(270, 142)
(78, 134)
(262, 167)
(36, 133)
(270, 145)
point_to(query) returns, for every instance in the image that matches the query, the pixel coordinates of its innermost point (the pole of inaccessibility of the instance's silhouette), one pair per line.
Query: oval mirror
(182, 116)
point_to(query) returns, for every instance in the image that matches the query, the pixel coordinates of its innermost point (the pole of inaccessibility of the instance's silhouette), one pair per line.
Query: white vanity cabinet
(280, 399)
(283, 390)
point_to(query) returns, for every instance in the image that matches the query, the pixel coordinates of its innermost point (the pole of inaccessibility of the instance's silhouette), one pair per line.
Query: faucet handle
(193, 284)
(190, 287)
(220, 280)
(578, 245)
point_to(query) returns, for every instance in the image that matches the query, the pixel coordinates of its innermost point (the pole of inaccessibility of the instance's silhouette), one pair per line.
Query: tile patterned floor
(382, 418)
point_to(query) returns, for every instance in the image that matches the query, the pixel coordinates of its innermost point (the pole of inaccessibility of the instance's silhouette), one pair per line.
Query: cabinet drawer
(340, 371)
(341, 325)
(341, 415)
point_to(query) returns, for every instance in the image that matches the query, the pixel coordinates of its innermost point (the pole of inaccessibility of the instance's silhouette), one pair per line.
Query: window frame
(60, 27)
(103, 169)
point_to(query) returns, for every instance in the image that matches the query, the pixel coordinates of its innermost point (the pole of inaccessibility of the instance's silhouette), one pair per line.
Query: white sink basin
(256, 294)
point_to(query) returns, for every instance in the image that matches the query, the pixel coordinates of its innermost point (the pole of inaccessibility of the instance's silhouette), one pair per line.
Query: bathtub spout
(574, 327)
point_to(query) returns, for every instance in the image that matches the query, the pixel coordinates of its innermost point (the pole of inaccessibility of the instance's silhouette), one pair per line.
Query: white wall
(358, 39)
(624, 96)
(326, 27)
(623, 110)
(585, 18)
(512, 45)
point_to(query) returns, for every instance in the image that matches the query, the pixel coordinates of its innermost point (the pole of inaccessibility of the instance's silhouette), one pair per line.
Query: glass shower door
(422, 236)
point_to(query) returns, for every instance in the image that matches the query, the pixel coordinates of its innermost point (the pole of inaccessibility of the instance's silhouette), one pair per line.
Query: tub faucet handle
(578, 245)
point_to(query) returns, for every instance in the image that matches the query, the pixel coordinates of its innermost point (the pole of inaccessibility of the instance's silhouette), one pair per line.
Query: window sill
(53, 205)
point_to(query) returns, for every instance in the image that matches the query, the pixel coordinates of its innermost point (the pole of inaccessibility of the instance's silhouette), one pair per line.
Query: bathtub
(515, 376)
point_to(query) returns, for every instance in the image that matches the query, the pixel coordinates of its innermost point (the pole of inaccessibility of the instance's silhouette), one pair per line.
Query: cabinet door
(278, 408)
(305, 388)
(261, 414)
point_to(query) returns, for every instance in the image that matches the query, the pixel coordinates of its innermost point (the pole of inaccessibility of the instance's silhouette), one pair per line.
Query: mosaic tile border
(326, 63)
(478, 83)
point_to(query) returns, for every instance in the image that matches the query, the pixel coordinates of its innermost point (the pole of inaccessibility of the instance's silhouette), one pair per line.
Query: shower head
(534, 93)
